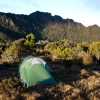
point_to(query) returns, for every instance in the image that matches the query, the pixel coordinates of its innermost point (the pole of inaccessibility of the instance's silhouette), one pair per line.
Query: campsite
(50, 50)
(71, 79)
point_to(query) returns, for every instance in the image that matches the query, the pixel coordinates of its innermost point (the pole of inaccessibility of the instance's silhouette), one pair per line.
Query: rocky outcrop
(6, 21)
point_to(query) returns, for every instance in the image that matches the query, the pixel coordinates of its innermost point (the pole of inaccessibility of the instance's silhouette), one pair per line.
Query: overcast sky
(86, 12)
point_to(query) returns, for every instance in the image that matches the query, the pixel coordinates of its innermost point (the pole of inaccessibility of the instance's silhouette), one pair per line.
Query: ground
(73, 83)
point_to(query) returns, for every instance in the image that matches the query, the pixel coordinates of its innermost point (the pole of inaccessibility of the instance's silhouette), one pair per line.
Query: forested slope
(46, 27)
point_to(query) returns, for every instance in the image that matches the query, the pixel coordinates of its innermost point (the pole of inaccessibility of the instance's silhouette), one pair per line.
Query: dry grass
(73, 83)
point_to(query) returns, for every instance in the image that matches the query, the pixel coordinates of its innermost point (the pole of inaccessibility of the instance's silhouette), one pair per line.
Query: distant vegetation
(60, 51)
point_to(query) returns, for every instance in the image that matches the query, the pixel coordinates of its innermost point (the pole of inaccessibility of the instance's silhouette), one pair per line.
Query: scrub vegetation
(75, 68)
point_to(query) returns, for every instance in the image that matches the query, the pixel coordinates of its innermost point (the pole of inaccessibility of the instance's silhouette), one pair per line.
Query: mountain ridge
(43, 25)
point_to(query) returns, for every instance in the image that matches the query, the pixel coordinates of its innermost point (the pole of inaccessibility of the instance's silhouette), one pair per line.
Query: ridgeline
(45, 27)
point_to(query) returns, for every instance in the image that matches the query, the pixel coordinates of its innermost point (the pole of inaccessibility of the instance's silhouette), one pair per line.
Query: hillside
(46, 27)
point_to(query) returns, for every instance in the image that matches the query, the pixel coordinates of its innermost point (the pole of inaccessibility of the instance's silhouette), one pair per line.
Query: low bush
(87, 60)
(12, 87)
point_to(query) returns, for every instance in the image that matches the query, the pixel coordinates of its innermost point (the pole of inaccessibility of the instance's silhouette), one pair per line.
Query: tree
(62, 44)
(11, 53)
(94, 49)
(29, 40)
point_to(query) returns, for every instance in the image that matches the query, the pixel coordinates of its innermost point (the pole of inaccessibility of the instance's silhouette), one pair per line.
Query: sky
(86, 12)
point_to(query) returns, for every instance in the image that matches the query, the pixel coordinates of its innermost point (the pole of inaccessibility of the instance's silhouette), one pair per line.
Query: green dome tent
(34, 70)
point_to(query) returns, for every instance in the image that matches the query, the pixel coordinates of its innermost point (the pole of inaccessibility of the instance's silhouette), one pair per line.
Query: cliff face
(42, 24)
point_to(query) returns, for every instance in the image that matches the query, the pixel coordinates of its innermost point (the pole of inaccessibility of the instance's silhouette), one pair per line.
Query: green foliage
(69, 54)
(75, 33)
(82, 46)
(59, 50)
(29, 40)
(79, 48)
(3, 38)
(39, 49)
(58, 44)
(11, 53)
(26, 43)
(62, 53)
(94, 49)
